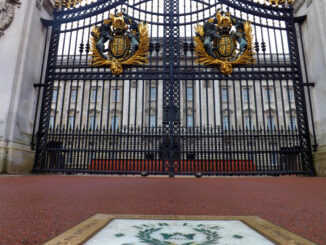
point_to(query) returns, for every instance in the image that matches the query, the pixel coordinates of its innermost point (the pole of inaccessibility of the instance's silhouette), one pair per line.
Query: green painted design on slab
(237, 236)
(178, 234)
(146, 232)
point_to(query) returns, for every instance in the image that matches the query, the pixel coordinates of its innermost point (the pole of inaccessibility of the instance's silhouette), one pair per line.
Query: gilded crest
(280, 2)
(119, 41)
(67, 3)
(224, 41)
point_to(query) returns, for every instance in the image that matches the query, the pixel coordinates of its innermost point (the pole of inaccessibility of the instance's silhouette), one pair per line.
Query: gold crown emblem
(118, 21)
(224, 21)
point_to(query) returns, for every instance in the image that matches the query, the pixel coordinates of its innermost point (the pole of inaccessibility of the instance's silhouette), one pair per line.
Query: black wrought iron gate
(173, 115)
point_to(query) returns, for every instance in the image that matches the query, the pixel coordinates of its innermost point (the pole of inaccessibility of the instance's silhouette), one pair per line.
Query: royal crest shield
(128, 43)
(119, 46)
(224, 41)
(225, 46)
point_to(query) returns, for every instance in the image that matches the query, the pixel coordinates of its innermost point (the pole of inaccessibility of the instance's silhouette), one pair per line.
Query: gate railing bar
(308, 84)
(39, 86)
(203, 2)
(141, 2)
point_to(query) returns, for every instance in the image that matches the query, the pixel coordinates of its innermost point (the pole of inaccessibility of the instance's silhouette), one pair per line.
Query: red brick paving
(34, 209)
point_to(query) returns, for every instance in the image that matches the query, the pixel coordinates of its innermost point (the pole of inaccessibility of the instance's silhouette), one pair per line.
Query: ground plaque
(104, 229)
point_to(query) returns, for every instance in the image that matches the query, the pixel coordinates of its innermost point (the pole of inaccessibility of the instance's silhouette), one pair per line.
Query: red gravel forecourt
(34, 209)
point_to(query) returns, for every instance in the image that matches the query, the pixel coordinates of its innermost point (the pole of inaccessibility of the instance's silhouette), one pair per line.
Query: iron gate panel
(174, 116)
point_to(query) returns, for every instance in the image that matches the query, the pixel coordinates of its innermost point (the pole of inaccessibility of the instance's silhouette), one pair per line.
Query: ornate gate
(221, 94)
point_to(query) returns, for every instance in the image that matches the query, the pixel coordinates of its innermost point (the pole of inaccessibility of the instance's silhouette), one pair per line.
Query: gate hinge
(309, 84)
(39, 85)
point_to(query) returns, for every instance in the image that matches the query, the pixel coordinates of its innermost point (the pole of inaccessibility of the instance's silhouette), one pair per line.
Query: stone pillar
(22, 39)
(314, 40)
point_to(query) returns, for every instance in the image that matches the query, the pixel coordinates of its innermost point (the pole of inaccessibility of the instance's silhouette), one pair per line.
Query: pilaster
(21, 47)
(314, 41)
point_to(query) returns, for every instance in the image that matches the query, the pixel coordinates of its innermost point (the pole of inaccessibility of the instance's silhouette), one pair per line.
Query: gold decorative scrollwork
(128, 43)
(67, 3)
(280, 2)
(217, 44)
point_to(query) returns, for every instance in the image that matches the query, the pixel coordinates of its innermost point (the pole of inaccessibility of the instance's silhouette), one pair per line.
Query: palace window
(245, 95)
(291, 94)
(71, 121)
(293, 122)
(190, 121)
(51, 124)
(248, 122)
(268, 96)
(224, 95)
(189, 94)
(54, 95)
(226, 123)
(152, 121)
(152, 92)
(115, 95)
(93, 95)
(270, 122)
(73, 96)
(92, 122)
(115, 123)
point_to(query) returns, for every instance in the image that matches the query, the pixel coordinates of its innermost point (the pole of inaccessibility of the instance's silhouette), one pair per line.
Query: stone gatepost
(22, 42)
(314, 40)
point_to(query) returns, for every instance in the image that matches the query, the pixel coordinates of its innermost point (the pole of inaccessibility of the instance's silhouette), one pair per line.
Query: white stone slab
(177, 232)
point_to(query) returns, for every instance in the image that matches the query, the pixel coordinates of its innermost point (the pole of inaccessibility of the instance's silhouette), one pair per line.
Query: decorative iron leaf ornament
(128, 43)
(224, 41)
(280, 2)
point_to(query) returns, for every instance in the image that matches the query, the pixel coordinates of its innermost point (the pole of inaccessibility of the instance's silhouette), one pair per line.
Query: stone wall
(21, 47)
(314, 40)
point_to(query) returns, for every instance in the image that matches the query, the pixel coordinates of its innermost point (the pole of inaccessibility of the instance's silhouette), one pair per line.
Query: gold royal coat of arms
(119, 41)
(224, 41)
